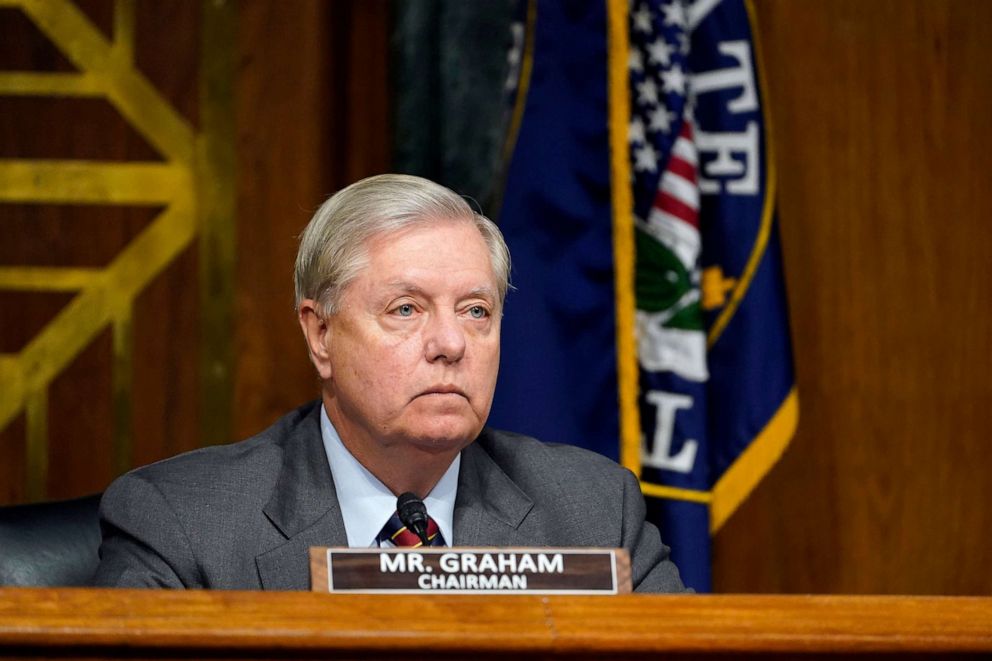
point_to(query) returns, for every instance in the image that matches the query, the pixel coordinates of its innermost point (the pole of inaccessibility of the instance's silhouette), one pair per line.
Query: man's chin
(439, 435)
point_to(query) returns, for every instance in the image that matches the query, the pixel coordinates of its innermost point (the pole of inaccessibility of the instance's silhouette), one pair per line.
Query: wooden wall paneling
(70, 119)
(74, 460)
(883, 131)
(79, 454)
(13, 466)
(165, 415)
(311, 117)
(362, 86)
(216, 194)
(311, 111)
(283, 126)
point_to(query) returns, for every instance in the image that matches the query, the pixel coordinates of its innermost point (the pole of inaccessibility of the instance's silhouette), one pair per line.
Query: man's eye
(478, 312)
(405, 310)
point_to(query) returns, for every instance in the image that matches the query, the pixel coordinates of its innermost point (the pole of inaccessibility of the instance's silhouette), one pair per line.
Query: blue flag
(641, 178)
(558, 373)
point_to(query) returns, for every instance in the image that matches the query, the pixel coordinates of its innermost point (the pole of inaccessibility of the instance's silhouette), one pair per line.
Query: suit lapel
(303, 507)
(489, 507)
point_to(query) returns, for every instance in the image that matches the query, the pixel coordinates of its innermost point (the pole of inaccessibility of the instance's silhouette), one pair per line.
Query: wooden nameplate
(470, 570)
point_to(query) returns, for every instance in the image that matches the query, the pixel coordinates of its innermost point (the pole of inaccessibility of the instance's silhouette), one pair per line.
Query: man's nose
(445, 338)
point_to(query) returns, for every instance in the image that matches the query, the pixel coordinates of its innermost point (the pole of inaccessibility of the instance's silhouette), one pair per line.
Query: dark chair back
(50, 544)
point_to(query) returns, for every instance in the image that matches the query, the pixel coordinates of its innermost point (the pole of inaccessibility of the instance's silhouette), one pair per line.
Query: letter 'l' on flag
(650, 321)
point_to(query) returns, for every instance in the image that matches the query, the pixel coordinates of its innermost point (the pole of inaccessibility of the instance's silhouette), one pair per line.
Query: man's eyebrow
(484, 291)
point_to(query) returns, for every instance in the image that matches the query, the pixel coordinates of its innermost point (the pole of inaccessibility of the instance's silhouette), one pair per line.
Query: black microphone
(413, 514)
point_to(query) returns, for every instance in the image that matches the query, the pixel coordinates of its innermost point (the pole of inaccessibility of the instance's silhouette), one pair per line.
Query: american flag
(662, 151)
(703, 407)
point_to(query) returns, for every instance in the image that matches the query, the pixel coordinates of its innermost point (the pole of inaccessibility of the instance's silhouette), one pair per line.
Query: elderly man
(399, 291)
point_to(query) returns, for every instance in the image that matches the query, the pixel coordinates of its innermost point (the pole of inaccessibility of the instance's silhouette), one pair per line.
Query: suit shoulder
(520, 455)
(237, 467)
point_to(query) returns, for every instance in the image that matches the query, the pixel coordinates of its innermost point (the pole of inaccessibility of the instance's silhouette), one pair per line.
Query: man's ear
(316, 333)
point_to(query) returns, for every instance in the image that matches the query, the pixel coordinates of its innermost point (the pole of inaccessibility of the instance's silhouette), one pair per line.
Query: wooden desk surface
(162, 624)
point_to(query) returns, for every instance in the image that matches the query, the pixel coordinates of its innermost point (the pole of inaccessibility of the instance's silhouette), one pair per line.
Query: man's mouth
(443, 390)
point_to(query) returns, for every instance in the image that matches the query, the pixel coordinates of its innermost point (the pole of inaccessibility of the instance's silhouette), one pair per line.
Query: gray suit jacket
(243, 516)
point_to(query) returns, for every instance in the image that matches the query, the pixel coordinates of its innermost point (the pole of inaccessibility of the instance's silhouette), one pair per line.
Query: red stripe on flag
(682, 168)
(677, 208)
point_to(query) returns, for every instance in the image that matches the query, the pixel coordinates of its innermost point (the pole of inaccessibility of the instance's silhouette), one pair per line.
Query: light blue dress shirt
(366, 503)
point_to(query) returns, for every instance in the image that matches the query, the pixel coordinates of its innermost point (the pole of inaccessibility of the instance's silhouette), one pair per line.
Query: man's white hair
(333, 247)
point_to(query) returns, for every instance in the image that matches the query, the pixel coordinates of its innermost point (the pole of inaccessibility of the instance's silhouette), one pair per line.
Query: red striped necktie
(394, 531)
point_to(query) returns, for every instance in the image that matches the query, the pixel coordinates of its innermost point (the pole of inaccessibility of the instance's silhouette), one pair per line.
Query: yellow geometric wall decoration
(193, 183)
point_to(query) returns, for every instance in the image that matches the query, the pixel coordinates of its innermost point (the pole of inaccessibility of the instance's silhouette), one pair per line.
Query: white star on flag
(646, 158)
(659, 52)
(636, 133)
(642, 19)
(673, 80)
(674, 14)
(661, 119)
(647, 92)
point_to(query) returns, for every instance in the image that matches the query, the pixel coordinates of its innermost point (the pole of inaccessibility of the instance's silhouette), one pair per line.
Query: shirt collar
(366, 503)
